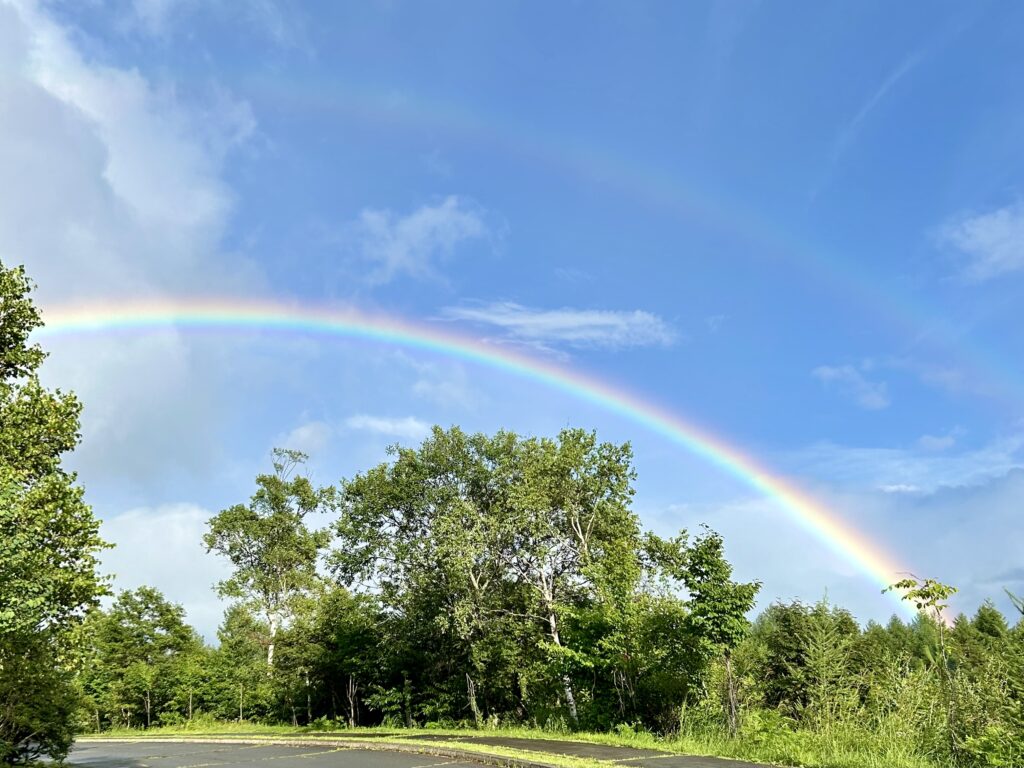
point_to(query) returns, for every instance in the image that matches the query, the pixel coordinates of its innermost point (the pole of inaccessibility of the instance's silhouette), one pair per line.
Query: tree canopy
(49, 540)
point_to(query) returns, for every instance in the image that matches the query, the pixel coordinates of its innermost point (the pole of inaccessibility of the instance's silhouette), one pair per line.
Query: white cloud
(899, 488)
(409, 428)
(567, 326)
(968, 535)
(869, 395)
(918, 468)
(111, 188)
(746, 524)
(311, 438)
(162, 547)
(992, 243)
(938, 442)
(387, 246)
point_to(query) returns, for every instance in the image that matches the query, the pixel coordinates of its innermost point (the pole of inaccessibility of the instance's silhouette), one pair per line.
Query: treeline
(495, 581)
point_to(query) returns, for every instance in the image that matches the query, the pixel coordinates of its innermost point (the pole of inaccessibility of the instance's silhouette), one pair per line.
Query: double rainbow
(867, 556)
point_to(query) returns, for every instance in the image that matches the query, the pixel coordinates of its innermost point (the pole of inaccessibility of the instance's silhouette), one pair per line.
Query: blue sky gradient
(800, 225)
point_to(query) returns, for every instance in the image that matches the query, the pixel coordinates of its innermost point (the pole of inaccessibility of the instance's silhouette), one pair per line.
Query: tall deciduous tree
(49, 540)
(569, 534)
(273, 551)
(487, 535)
(717, 605)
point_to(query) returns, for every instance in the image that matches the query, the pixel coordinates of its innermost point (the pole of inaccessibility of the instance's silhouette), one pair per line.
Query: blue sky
(800, 225)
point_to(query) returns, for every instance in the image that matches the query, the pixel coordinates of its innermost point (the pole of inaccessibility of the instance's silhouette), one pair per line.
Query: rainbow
(662, 190)
(867, 556)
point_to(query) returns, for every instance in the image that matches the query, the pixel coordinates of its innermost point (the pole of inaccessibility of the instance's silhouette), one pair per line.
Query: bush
(37, 704)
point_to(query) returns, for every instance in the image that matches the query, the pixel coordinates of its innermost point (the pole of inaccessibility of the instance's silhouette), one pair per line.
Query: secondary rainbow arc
(868, 556)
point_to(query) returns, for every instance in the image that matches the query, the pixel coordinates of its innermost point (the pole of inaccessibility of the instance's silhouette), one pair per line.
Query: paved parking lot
(100, 754)
(196, 754)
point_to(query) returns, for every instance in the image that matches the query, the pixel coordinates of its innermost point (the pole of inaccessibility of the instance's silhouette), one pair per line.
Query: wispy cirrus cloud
(578, 328)
(990, 244)
(853, 382)
(847, 135)
(278, 21)
(918, 467)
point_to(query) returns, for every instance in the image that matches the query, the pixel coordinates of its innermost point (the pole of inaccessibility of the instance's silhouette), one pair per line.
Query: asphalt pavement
(149, 754)
(144, 753)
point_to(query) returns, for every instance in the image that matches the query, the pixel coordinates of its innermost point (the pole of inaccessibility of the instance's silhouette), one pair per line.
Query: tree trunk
(149, 704)
(570, 699)
(240, 690)
(272, 622)
(309, 701)
(407, 702)
(350, 691)
(471, 695)
(732, 703)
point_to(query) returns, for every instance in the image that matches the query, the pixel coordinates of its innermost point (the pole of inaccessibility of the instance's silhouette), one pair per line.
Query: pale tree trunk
(272, 621)
(350, 692)
(471, 695)
(149, 705)
(241, 689)
(570, 699)
(190, 704)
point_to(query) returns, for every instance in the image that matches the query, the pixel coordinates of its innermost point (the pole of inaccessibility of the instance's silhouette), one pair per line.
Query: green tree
(827, 661)
(142, 647)
(421, 529)
(242, 688)
(717, 606)
(569, 537)
(493, 545)
(49, 541)
(930, 597)
(347, 660)
(273, 552)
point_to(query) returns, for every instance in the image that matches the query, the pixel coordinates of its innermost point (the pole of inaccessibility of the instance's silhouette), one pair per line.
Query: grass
(845, 746)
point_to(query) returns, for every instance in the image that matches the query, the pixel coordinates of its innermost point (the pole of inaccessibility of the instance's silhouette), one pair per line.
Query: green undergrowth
(764, 742)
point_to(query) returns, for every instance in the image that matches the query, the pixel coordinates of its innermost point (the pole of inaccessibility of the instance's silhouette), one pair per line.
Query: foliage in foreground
(48, 542)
